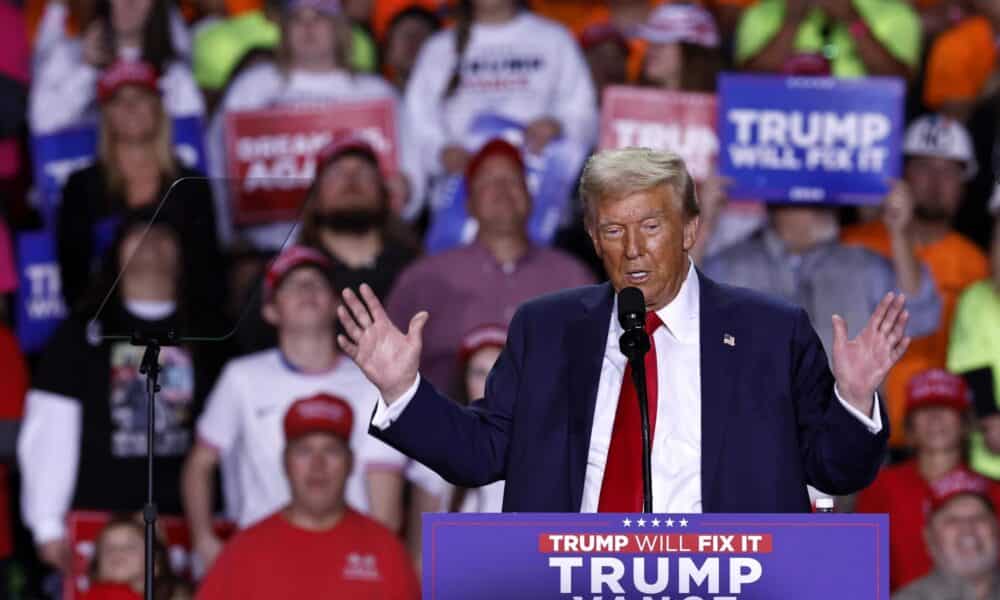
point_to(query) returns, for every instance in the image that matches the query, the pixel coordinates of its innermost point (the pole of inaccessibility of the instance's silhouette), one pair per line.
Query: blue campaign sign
(57, 155)
(810, 139)
(39, 306)
(655, 557)
(551, 176)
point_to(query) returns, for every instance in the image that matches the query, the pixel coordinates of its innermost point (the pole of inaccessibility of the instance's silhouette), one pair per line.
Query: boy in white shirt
(241, 427)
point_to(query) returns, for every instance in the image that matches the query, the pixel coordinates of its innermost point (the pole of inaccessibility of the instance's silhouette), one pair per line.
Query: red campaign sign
(682, 122)
(271, 153)
(84, 526)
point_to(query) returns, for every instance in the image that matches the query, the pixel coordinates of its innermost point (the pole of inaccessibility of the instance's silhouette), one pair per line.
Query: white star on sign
(670, 522)
(684, 522)
(641, 522)
(656, 522)
(627, 522)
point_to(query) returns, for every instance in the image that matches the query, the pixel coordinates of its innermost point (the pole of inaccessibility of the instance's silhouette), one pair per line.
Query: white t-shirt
(524, 69)
(64, 89)
(244, 417)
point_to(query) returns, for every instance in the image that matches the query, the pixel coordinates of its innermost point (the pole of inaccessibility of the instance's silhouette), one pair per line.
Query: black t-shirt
(90, 215)
(103, 376)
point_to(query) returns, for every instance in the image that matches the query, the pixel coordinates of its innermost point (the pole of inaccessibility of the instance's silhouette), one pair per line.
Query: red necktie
(621, 490)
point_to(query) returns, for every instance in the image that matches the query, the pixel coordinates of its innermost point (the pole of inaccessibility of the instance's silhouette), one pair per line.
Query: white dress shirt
(676, 458)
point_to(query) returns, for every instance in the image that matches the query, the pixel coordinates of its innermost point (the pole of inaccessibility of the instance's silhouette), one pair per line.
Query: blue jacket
(770, 420)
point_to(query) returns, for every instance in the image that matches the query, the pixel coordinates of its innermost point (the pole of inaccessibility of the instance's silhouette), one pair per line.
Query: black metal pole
(150, 366)
(639, 379)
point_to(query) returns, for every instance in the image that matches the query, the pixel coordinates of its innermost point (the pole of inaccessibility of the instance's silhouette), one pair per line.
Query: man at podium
(744, 409)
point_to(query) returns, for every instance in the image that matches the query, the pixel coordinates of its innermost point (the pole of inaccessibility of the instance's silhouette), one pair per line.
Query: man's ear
(270, 313)
(691, 232)
(397, 190)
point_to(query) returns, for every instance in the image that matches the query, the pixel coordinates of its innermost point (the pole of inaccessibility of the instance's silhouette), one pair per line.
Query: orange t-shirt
(960, 62)
(955, 263)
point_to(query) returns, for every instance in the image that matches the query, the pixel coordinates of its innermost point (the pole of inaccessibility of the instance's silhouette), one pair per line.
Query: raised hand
(898, 209)
(539, 133)
(388, 357)
(860, 365)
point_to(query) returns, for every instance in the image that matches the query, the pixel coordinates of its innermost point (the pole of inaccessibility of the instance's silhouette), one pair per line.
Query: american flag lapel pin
(728, 340)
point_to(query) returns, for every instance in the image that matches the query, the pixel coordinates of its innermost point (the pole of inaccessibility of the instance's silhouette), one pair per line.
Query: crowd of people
(266, 426)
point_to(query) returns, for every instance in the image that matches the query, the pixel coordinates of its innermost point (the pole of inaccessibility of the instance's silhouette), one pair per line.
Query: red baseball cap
(596, 34)
(494, 147)
(484, 336)
(126, 72)
(288, 261)
(956, 483)
(322, 413)
(937, 387)
(345, 141)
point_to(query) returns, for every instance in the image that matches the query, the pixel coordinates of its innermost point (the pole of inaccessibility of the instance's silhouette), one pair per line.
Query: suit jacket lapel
(719, 335)
(585, 343)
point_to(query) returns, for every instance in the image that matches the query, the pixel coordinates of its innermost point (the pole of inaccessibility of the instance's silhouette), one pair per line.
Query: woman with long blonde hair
(135, 169)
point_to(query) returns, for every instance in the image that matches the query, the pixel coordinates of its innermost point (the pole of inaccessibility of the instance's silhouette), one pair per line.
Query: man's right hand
(388, 357)
(55, 553)
(207, 546)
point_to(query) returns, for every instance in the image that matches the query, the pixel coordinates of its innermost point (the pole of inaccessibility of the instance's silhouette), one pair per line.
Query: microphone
(634, 344)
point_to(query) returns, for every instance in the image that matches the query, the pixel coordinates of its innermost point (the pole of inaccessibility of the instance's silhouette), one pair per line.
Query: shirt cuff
(386, 415)
(872, 423)
(48, 530)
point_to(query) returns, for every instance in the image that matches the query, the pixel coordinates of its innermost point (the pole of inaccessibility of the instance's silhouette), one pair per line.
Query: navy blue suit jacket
(770, 422)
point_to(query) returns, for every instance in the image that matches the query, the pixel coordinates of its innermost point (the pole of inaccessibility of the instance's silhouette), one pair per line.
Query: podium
(535, 556)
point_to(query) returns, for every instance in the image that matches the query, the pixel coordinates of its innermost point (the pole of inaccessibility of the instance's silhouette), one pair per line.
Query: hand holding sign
(897, 213)
(539, 133)
(860, 365)
(454, 158)
(388, 357)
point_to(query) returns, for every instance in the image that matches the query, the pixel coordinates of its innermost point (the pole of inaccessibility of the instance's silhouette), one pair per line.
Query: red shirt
(111, 591)
(903, 493)
(357, 558)
(13, 387)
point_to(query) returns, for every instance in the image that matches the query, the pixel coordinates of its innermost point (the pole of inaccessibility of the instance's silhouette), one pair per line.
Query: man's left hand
(539, 133)
(860, 365)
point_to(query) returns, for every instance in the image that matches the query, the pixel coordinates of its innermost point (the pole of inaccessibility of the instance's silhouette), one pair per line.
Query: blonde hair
(615, 174)
(162, 144)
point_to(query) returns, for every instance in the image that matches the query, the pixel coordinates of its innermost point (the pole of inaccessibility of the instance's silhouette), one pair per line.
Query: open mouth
(637, 277)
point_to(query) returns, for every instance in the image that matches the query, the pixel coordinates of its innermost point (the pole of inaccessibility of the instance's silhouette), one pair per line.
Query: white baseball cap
(675, 23)
(941, 137)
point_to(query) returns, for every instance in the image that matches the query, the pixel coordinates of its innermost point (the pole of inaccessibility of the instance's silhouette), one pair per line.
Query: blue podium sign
(810, 139)
(655, 557)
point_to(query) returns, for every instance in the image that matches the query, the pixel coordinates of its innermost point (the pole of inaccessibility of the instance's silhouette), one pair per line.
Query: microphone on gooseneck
(634, 342)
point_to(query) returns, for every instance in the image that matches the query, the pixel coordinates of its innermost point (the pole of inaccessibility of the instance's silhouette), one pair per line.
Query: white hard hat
(941, 137)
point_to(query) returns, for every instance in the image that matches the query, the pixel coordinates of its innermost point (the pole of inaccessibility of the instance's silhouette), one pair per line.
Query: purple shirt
(466, 287)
